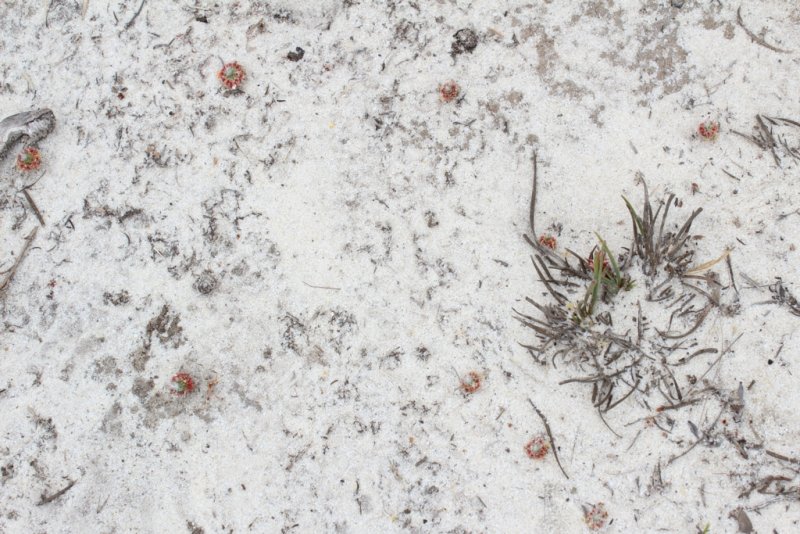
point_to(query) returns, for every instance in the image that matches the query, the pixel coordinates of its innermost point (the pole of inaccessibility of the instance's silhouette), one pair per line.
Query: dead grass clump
(655, 284)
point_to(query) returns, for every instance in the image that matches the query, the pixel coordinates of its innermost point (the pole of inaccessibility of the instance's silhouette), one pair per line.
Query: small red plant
(29, 159)
(600, 256)
(449, 91)
(596, 516)
(182, 384)
(472, 383)
(231, 75)
(547, 241)
(708, 130)
(537, 448)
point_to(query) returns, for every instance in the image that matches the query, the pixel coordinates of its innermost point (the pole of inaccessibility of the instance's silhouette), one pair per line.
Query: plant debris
(756, 38)
(296, 55)
(45, 499)
(613, 365)
(464, 40)
(766, 138)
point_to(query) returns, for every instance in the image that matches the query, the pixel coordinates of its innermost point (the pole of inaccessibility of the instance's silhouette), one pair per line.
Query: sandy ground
(331, 249)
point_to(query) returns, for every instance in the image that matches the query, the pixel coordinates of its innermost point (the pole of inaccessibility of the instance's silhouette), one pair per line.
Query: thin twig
(13, 270)
(50, 498)
(533, 196)
(770, 139)
(689, 402)
(619, 401)
(33, 205)
(730, 272)
(732, 176)
(549, 435)
(782, 457)
(603, 419)
(715, 362)
(700, 318)
(756, 38)
(703, 437)
(130, 22)
(323, 287)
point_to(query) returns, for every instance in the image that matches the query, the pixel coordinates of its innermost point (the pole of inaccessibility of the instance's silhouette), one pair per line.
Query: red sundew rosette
(596, 516)
(547, 241)
(708, 130)
(29, 159)
(231, 75)
(449, 91)
(537, 448)
(473, 384)
(181, 384)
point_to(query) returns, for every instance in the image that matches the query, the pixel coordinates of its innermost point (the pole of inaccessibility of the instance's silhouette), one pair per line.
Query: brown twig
(322, 287)
(50, 498)
(779, 456)
(533, 197)
(730, 272)
(677, 406)
(550, 436)
(13, 270)
(33, 205)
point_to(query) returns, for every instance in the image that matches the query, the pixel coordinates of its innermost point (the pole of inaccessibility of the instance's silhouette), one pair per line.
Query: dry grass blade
(700, 318)
(756, 38)
(533, 196)
(550, 436)
(547, 279)
(33, 206)
(21, 256)
(765, 137)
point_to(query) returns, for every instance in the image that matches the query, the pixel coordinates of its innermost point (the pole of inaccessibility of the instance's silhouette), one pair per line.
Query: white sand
(362, 241)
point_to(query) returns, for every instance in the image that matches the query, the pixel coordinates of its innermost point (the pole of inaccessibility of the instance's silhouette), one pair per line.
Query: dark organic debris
(206, 283)
(119, 298)
(782, 296)
(297, 55)
(766, 138)
(167, 329)
(465, 40)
